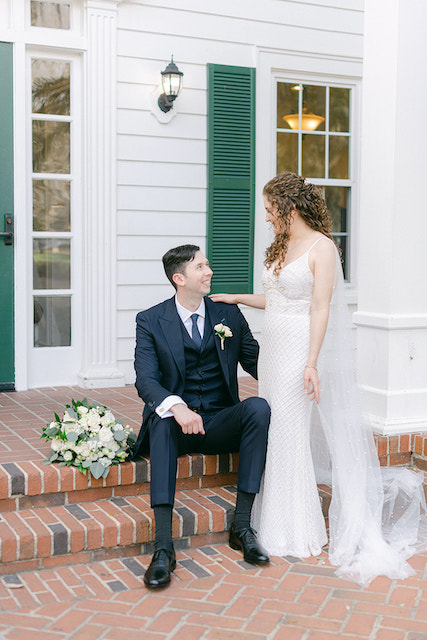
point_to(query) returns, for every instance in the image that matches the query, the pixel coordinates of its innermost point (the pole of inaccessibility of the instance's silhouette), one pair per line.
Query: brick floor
(289, 600)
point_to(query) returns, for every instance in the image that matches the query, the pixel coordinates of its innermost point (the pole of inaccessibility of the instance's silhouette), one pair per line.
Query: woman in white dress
(377, 519)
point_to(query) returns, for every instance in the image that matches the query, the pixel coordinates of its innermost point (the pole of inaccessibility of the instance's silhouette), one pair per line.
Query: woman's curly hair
(289, 191)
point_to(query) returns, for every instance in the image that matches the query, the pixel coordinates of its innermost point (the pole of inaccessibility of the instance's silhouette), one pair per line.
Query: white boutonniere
(223, 332)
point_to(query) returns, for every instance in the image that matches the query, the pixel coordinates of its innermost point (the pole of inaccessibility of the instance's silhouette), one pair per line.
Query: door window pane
(53, 15)
(50, 87)
(51, 263)
(51, 205)
(287, 152)
(337, 199)
(51, 147)
(338, 157)
(339, 109)
(313, 156)
(52, 321)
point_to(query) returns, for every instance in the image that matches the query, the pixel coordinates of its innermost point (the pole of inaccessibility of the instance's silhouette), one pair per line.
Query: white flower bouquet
(88, 437)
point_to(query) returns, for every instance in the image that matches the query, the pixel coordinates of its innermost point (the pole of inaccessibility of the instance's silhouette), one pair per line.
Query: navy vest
(205, 388)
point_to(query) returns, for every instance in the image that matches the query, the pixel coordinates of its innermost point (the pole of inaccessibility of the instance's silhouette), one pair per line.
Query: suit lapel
(214, 316)
(171, 325)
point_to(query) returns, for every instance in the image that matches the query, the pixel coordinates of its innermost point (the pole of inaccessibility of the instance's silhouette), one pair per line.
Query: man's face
(197, 275)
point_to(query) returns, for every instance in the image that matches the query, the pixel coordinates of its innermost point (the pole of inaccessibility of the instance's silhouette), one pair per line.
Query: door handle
(7, 234)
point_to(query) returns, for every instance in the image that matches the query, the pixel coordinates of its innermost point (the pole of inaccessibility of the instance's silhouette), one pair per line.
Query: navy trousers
(242, 427)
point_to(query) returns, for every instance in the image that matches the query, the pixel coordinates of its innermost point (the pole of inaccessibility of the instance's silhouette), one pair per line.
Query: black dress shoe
(246, 541)
(158, 573)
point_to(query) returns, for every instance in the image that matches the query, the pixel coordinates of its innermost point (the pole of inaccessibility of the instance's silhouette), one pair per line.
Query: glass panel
(342, 242)
(339, 109)
(52, 321)
(51, 205)
(337, 199)
(287, 104)
(313, 156)
(313, 108)
(51, 263)
(338, 157)
(287, 152)
(51, 147)
(50, 87)
(54, 15)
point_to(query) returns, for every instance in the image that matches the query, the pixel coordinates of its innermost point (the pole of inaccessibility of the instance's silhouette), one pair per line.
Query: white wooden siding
(162, 167)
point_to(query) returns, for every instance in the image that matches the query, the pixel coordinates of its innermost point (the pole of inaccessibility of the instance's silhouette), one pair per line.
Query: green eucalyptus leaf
(106, 472)
(132, 437)
(120, 421)
(119, 435)
(72, 436)
(72, 413)
(46, 461)
(97, 469)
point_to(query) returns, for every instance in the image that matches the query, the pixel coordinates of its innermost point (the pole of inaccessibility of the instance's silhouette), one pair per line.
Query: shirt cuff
(163, 410)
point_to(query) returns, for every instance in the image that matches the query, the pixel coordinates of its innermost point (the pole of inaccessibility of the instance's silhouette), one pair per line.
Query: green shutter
(231, 177)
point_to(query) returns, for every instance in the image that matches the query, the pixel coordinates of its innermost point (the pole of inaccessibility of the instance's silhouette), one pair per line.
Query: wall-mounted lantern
(171, 83)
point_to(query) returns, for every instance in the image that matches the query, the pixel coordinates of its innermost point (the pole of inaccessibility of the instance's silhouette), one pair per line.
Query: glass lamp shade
(171, 81)
(309, 121)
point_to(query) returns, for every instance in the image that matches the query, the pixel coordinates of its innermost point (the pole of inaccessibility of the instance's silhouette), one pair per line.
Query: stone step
(25, 485)
(117, 527)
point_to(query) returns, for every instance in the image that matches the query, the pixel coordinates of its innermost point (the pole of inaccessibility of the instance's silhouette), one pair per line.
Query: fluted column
(100, 313)
(392, 314)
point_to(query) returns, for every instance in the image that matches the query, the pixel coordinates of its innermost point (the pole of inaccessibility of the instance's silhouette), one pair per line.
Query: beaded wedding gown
(377, 518)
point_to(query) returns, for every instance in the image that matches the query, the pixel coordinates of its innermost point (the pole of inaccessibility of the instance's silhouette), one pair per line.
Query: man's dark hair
(174, 260)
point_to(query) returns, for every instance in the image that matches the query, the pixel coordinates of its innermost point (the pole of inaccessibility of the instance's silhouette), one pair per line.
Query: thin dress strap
(314, 243)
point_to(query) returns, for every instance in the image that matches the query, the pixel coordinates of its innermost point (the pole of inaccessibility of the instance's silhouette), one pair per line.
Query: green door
(7, 368)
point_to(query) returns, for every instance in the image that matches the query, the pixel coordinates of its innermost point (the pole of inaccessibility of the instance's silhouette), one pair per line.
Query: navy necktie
(195, 334)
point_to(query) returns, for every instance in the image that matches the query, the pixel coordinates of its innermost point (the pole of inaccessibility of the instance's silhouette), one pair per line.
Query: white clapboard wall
(162, 167)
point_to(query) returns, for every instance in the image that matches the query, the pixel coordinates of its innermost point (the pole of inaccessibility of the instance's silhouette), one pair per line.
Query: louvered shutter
(231, 177)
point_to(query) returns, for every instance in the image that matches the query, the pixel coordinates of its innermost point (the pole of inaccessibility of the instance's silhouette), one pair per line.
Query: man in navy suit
(187, 377)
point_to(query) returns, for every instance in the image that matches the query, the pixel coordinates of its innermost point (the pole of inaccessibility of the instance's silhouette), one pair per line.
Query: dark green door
(7, 368)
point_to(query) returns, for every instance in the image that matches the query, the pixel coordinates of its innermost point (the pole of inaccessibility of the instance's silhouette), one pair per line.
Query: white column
(100, 351)
(392, 313)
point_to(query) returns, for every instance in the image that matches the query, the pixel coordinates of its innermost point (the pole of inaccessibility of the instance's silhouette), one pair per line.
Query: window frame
(351, 182)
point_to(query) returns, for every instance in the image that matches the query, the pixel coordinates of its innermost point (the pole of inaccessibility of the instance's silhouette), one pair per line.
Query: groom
(187, 377)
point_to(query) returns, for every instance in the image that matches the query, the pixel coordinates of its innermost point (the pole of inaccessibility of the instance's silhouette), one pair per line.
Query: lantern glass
(171, 84)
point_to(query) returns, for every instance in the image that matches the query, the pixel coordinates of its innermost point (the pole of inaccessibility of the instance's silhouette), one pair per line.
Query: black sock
(163, 520)
(242, 515)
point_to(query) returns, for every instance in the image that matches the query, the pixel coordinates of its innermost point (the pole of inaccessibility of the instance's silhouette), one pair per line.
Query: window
(51, 191)
(313, 139)
(53, 15)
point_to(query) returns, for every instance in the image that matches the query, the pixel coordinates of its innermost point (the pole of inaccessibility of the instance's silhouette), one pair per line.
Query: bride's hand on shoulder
(228, 298)
(311, 383)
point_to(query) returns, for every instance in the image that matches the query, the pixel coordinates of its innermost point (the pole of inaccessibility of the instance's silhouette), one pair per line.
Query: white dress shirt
(163, 410)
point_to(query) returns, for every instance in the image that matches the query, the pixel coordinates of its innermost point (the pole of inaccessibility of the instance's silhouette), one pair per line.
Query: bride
(377, 517)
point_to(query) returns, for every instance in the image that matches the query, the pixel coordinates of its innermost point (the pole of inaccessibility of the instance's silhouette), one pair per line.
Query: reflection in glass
(51, 147)
(51, 205)
(314, 101)
(287, 102)
(339, 109)
(337, 201)
(51, 263)
(50, 87)
(342, 243)
(287, 152)
(54, 15)
(338, 157)
(313, 156)
(52, 321)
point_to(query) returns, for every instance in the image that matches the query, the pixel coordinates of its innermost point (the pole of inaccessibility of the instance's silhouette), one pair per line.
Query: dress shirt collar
(185, 314)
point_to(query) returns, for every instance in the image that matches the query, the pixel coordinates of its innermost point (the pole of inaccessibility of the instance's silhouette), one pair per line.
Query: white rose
(105, 435)
(67, 455)
(227, 332)
(56, 444)
(107, 419)
(82, 410)
(54, 425)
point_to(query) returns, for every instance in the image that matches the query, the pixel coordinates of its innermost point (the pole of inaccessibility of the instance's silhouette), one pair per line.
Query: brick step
(25, 485)
(118, 527)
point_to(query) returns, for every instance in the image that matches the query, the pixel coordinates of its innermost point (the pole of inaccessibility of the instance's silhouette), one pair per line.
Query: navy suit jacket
(160, 358)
